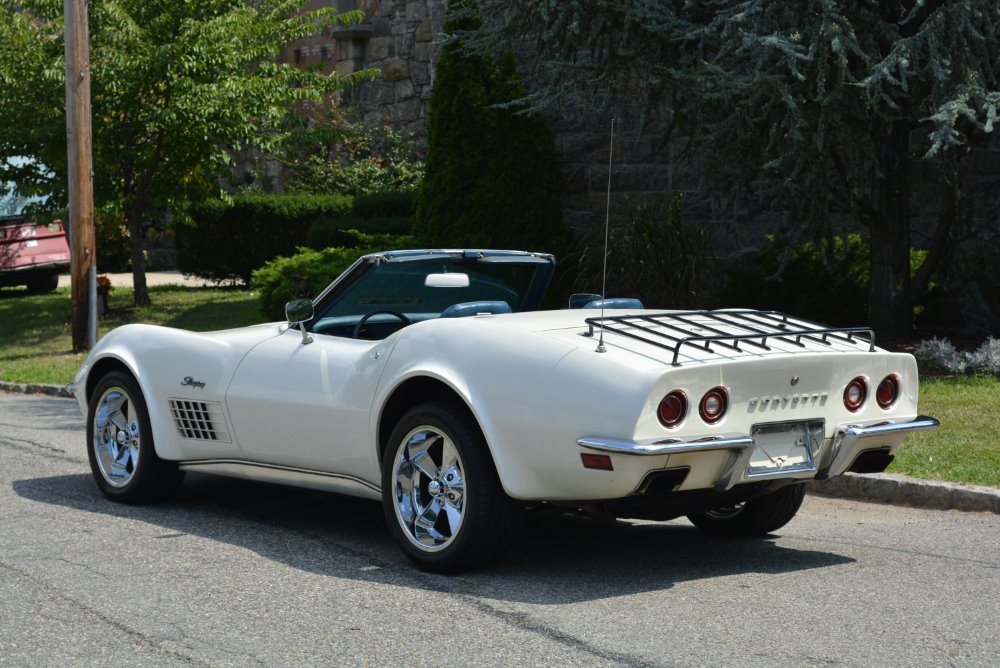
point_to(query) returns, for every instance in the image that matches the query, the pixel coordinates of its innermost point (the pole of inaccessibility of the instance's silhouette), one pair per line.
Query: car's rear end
(32, 254)
(750, 401)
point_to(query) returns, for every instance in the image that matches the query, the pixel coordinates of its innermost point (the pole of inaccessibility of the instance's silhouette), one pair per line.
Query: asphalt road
(238, 573)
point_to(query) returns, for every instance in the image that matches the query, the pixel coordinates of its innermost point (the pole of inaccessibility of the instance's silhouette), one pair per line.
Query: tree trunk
(133, 216)
(890, 307)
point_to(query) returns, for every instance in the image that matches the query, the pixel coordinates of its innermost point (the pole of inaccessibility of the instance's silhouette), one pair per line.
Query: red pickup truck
(32, 254)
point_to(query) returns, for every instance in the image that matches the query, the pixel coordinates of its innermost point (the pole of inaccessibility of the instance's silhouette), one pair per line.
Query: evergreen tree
(491, 179)
(824, 109)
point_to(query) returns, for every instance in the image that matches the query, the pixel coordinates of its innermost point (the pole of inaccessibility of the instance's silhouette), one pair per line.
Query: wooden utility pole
(81, 184)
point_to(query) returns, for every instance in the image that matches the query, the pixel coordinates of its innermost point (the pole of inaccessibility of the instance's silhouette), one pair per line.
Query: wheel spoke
(406, 496)
(117, 404)
(424, 527)
(420, 456)
(454, 515)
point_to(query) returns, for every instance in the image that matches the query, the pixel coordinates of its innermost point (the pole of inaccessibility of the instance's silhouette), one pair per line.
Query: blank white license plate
(785, 447)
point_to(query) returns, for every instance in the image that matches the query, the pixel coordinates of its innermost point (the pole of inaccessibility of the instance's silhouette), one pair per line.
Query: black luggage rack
(672, 331)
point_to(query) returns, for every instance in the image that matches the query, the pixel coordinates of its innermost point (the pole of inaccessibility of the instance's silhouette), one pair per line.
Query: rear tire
(443, 500)
(756, 517)
(120, 446)
(43, 285)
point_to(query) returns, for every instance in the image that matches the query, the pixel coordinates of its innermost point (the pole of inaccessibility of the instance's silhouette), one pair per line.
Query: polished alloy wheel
(428, 488)
(116, 437)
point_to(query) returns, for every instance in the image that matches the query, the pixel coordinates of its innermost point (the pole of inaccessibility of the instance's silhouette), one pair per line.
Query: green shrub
(308, 272)
(826, 281)
(363, 160)
(228, 240)
(492, 179)
(386, 204)
(389, 212)
(657, 257)
(327, 232)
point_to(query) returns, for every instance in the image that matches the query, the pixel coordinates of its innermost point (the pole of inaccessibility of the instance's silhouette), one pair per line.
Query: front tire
(123, 459)
(756, 517)
(442, 497)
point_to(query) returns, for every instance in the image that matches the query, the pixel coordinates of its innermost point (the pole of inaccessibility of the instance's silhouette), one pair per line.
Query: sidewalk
(152, 278)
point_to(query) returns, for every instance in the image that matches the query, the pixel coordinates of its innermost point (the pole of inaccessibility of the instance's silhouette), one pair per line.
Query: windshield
(403, 286)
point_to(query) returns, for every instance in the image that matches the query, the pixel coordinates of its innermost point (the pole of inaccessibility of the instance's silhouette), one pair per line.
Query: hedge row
(228, 240)
(309, 271)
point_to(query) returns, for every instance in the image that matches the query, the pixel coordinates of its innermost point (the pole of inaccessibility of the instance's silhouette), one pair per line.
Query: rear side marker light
(672, 409)
(713, 405)
(887, 391)
(855, 394)
(599, 462)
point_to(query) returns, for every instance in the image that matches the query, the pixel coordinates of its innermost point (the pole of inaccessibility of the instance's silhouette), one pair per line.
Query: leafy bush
(389, 212)
(386, 204)
(492, 177)
(308, 272)
(228, 240)
(825, 281)
(327, 232)
(940, 355)
(657, 257)
(366, 160)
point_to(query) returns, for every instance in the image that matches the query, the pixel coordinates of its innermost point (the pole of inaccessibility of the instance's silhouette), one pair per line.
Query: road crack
(140, 639)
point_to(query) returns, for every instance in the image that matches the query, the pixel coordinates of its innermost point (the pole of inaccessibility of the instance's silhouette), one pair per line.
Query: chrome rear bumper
(848, 442)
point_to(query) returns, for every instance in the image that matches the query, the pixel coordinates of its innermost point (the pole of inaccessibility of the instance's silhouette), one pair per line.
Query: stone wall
(404, 45)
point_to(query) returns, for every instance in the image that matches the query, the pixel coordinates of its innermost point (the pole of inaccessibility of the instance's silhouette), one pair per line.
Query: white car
(427, 380)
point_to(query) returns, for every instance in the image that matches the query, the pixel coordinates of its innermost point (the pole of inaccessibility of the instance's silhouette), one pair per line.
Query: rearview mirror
(447, 281)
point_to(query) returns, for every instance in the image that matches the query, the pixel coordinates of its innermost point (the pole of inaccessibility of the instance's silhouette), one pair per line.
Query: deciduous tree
(176, 88)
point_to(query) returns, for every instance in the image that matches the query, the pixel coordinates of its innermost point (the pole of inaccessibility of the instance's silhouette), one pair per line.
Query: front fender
(171, 363)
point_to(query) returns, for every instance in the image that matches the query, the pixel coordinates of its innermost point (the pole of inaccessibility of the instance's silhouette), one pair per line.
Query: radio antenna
(607, 225)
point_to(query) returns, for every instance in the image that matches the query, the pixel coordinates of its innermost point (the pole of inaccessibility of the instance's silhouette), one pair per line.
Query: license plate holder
(785, 448)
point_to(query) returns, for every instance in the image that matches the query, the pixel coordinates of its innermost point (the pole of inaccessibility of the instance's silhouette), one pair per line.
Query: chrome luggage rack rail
(704, 329)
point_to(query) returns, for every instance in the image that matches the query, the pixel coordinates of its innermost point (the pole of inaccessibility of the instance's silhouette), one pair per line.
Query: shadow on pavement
(560, 558)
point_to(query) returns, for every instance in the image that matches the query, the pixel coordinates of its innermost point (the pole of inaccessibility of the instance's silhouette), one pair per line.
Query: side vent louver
(199, 420)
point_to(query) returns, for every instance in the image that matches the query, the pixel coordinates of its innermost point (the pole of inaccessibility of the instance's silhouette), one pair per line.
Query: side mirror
(298, 312)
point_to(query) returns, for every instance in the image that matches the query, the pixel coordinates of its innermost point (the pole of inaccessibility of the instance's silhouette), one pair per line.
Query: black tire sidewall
(488, 520)
(759, 516)
(152, 476)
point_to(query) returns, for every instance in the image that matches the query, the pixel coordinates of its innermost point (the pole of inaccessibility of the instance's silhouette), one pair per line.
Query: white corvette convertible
(427, 380)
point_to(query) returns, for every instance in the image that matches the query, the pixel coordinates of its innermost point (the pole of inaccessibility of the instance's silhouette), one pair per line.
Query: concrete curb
(35, 388)
(900, 490)
(876, 487)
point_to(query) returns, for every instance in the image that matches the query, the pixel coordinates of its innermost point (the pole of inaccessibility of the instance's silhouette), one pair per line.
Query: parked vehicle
(32, 254)
(428, 380)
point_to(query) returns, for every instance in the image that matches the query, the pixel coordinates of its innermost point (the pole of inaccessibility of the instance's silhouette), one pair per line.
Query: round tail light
(887, 391)
(713, 405)
(855, 394)
(673, 408)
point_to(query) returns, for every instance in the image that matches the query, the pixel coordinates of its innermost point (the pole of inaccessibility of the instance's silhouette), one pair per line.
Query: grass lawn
(35, 340)
(35, 336)
(966, 447)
